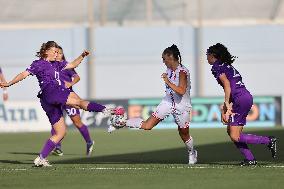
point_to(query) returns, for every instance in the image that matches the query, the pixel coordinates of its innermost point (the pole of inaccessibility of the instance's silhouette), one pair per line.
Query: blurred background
(127, 37)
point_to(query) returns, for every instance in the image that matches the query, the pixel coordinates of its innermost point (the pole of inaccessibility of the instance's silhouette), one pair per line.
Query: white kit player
(176, 102)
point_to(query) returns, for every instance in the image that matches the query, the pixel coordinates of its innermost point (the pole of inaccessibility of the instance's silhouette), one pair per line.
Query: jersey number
(57, 77)
(236, 74)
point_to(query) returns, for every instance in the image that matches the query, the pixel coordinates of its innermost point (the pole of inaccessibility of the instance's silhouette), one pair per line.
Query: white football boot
(192, 157)
(41, 162)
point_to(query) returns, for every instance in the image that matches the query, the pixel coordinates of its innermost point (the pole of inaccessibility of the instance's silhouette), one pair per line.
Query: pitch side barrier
(266, 112)
(22, 116)
(28, 116)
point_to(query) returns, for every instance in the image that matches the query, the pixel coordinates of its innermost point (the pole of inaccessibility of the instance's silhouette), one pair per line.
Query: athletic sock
(243, 147)
(95, 107)
(58, 145)
(134, 122)
(189, 144)
(85, 133)
(48, 147)
(253, 139)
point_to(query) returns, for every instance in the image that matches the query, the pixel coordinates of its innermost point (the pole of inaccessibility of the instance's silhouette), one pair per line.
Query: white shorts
(164, 109)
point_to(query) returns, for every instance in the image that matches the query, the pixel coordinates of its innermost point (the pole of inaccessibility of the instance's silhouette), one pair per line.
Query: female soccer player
(53, 95)
(237, 103)
(176, 102)
(68, 78)
(5, 92)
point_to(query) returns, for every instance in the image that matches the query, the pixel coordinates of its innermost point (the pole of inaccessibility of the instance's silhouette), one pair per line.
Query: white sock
(134, 122)
(189, 144)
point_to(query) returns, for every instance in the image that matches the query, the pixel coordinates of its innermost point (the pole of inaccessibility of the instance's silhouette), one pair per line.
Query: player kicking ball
(177, 102)
(68, 78)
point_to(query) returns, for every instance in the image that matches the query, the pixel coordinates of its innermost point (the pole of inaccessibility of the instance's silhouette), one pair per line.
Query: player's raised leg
(75, 101)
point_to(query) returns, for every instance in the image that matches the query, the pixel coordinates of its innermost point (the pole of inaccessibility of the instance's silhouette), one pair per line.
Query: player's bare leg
(118, 121)
(149, 123)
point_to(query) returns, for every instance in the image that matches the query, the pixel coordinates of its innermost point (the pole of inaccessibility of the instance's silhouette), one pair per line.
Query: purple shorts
(71, 111)
(241, 107)
(52, 99)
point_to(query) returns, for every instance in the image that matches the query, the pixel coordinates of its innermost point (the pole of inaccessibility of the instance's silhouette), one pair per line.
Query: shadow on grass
(11, 162)
(24, 153)
(218, 153)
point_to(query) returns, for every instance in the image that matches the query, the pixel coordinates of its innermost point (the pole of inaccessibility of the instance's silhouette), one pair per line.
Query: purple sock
(253, 139)
(94, 107)
(48, 147)
(243, 147)
(85, 133)
(58, 145)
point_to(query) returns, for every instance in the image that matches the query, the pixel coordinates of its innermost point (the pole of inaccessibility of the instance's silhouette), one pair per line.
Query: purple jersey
(46, 72)
(235, 78)
(67, 75)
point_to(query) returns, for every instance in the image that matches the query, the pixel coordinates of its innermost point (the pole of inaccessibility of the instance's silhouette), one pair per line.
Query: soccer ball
(118, 121)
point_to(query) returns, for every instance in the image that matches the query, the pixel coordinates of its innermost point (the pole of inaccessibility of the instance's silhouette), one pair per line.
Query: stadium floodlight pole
(103, 10)
(149, 11)
(91, 87)
(199, 80)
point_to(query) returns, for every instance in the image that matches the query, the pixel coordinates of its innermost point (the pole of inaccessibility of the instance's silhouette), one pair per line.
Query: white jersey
(177, 105)
(179, 102)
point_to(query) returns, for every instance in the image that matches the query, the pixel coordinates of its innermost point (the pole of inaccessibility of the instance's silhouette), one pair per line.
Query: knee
(78, 124)
(235, 138)
(61, 133)
(77, 102)
(184, 134)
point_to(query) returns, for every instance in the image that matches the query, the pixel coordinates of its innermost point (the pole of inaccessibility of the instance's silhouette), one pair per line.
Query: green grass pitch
(139, 159)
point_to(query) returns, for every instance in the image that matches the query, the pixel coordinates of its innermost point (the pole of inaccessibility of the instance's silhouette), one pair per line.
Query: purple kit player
(68, 78)
(53, 96)
(238, 102)
(5, 92)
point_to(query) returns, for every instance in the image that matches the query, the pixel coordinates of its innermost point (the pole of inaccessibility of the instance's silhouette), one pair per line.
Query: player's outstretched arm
(16, 79)
(77, 61)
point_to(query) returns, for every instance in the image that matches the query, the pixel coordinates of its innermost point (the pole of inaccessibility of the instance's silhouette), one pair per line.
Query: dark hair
(44, 47)
(173, 50)
(221, 53)
(63, 57)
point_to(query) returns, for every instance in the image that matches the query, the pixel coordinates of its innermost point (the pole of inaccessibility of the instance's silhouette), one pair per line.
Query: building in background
(129, 35)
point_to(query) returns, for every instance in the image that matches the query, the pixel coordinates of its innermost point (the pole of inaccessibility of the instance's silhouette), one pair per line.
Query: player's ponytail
(173, 50)
(44, 47)
(63, 56)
